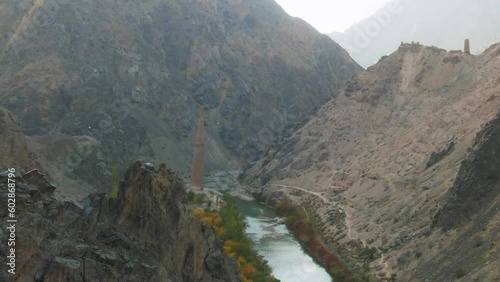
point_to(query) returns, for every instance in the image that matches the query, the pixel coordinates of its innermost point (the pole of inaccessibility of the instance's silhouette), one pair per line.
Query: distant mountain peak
(445, 24)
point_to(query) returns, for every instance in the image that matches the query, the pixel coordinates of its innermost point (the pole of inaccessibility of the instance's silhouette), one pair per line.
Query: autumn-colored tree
(248, 270)
(199, 213)
(229, 226)
(301, 226)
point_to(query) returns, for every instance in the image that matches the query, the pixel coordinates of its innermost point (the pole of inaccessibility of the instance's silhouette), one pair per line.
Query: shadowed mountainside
(477, 186)
(128, 79)
(12, 142)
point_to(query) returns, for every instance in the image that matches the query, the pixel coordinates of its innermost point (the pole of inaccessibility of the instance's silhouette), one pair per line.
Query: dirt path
(317, 194)
(25, 22)
(332, 187)
(382, 261)
(348, 223)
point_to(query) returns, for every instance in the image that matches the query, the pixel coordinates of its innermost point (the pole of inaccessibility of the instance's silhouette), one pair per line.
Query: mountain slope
(147, 234)
(12, 142)
(130, 78)
(443, 23)
(393, 153)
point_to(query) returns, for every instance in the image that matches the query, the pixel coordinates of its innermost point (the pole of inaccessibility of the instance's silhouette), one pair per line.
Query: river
(272, 240)
(276, 244)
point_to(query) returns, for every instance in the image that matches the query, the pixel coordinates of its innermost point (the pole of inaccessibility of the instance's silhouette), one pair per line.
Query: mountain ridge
(368, 150)
(445, 24)
(133, 76)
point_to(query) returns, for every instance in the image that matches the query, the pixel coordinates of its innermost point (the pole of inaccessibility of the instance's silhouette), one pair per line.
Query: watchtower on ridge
(467, 46)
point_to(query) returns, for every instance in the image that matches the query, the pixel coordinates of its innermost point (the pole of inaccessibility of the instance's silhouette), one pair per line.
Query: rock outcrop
(146, 234)
(477, 187)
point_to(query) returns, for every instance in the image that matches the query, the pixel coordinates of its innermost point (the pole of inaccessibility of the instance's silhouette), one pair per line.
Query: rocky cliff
(404, 162)
(146, 234)
(129, 78)
(476, 188)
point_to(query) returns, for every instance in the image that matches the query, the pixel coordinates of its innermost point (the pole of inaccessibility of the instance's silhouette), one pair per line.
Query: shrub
(460, 272)
(301, 226)
(196, 198)
(191, 196)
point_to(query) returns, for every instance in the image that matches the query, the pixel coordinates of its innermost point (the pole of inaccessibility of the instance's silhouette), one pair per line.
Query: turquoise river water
(276, 244)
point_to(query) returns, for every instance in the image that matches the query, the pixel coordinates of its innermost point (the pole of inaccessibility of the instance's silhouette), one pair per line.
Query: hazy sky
(331, 15)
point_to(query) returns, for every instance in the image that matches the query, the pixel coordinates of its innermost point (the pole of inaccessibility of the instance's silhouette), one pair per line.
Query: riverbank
(331, 224)
(321, 256)
(303, 229)
(282, 250)
(287, 258)
(230, 227)
(241, 194)
(307, 233)
(301, 224)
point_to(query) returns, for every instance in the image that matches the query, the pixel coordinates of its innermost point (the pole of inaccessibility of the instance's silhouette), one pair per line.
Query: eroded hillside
(127, 80)
(408, 143)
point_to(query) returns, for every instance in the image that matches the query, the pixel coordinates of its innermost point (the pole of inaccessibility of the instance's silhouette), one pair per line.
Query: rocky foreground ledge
(146, 234)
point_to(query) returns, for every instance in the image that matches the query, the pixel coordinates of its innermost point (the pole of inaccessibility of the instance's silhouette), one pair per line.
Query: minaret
(197, 173)
(467, 46)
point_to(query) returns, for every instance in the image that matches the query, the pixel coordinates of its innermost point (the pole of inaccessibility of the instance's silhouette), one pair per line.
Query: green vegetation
(116, 174)
(303, 228)
(336, 218)
(229, 225)
(194, 198)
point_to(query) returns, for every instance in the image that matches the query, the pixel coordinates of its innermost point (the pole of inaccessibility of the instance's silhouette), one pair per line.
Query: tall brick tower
(467, 46)
(197, 173)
